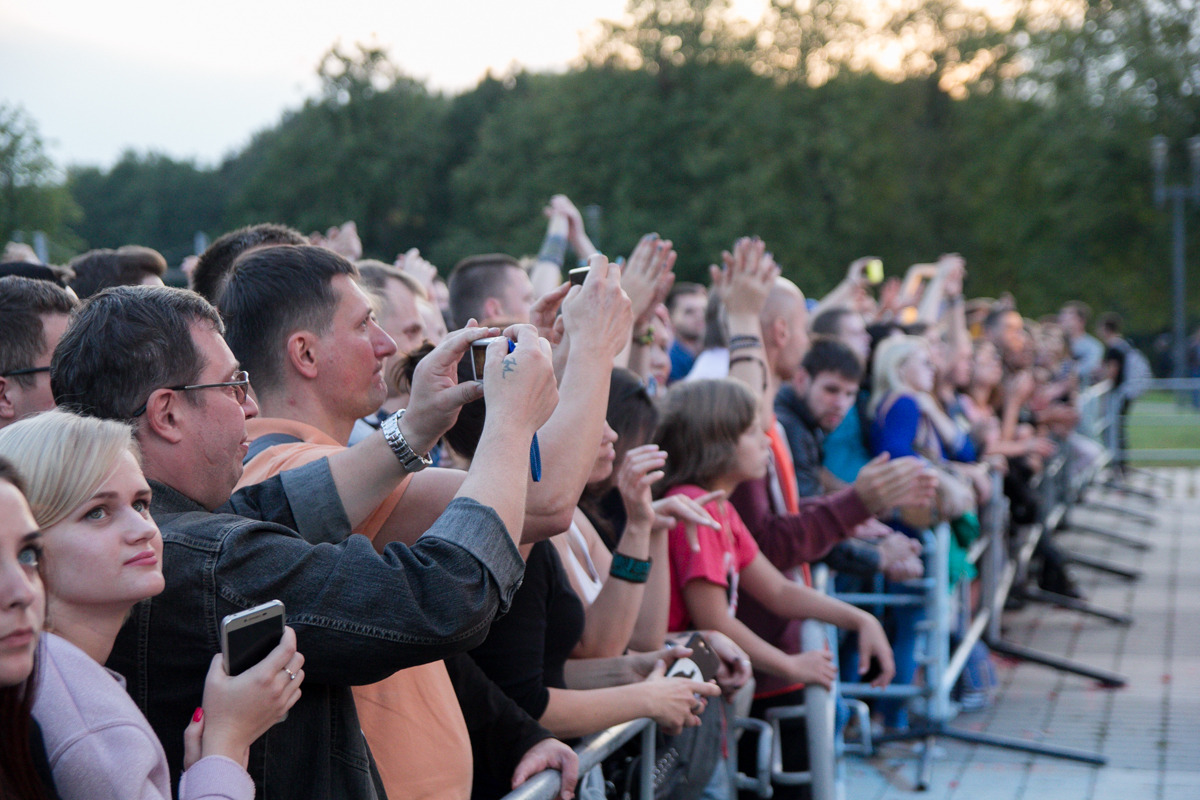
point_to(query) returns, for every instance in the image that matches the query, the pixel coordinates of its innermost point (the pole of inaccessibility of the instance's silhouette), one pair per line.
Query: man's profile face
(830, 397)
(516, 298)
(36, 398)
(852, 332)
(353, 353)
(797, 343)
(214, 422)
(687, 317)
(1070, 322)
(401, 318)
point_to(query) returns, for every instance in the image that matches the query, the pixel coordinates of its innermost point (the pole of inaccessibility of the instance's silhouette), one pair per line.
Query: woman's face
(987, 371)
(603, 466)
(917, 371)
(960, 372)
(22, 601)
(107, 553)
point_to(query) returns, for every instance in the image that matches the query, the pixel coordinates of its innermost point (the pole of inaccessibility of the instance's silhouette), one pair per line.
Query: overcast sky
(195, 80)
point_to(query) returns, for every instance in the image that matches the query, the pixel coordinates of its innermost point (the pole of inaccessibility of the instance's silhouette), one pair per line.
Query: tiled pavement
(1149, 730)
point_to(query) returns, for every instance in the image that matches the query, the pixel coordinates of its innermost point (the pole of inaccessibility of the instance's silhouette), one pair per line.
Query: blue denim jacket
(359, 616)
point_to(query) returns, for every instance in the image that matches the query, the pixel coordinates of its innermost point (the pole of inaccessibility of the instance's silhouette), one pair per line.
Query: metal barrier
(1187, 395)
(1001, 571)
(593, 750)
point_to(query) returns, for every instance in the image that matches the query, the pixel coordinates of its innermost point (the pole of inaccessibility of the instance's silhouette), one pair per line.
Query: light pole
(1179, 195)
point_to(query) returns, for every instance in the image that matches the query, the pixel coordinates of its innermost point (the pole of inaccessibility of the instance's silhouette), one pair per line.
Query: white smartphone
(248, 636)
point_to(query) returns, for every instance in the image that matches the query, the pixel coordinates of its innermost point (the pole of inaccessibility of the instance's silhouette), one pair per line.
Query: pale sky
(196, 79)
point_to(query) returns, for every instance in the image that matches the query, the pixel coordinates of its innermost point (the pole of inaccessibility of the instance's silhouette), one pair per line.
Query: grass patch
(1158, 424)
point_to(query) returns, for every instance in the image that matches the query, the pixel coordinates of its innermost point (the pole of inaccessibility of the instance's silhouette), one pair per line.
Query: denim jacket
(358, 615)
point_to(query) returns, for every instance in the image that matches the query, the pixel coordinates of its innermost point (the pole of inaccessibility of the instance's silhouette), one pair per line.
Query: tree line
(1020, 142)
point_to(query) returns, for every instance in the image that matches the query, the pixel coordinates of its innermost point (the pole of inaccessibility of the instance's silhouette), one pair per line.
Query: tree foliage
(1016, 135)
(32, 197)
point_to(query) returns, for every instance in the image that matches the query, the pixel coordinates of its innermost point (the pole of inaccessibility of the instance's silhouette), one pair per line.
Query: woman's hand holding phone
(238, 710)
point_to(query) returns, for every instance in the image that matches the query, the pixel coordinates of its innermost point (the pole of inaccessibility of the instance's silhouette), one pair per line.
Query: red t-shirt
(723, 555)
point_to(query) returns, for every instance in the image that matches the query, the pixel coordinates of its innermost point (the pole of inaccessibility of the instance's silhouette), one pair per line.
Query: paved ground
(1149, 731)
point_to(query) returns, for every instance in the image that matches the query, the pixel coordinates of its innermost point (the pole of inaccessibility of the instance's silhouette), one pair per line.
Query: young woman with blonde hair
(102, 555)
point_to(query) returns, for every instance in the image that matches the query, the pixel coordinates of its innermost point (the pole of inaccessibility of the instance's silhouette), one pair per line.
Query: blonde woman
(103, 554)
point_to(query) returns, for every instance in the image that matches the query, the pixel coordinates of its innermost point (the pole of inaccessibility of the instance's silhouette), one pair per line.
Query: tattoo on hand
(510, 365)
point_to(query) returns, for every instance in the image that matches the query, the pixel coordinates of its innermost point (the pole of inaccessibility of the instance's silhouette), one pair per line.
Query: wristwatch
(411, 461)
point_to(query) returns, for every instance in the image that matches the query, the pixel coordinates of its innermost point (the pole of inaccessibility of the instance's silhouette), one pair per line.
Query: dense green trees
(1019, 141)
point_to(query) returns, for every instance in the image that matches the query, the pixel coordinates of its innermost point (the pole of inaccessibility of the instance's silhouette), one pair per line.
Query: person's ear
(161, 417)
(492, 309)
(778, 332)
(8, 409)
(302, 353)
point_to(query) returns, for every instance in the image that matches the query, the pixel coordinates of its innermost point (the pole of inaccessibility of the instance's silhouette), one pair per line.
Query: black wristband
(628, 568)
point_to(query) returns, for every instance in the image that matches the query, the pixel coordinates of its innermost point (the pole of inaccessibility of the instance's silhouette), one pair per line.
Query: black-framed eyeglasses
(24, 371)
(240, 384)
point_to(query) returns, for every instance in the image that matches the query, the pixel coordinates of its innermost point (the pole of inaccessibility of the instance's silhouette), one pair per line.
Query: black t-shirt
(526, 649)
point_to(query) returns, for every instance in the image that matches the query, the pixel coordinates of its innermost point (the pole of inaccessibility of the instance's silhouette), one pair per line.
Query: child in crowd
(714, 441)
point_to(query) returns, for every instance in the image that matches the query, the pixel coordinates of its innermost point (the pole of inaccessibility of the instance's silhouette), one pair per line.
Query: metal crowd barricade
(999, 571)
(1002, 566)
(593, 750)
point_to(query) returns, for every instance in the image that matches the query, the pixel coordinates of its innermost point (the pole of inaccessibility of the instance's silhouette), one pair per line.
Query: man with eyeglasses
(156, 357)
(33, 316)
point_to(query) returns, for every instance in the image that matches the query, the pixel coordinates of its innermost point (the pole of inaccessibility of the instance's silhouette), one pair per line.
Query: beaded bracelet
(628, 568)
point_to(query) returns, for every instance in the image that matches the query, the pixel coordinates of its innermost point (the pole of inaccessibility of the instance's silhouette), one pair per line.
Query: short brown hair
(373, 276)
(23, 303)
(125, 266)
(700, 425)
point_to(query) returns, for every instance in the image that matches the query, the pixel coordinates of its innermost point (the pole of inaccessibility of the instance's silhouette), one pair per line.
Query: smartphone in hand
(248, 636)
(701, 665)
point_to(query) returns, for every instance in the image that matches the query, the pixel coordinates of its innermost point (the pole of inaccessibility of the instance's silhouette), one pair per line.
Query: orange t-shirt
(411, 720)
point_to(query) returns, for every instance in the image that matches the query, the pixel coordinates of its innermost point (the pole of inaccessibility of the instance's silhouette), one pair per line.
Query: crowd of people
(496, 506)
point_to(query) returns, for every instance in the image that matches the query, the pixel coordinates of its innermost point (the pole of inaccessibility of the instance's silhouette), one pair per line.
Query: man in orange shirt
(297, 318)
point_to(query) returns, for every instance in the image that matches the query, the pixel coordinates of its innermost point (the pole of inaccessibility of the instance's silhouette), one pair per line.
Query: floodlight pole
(1179, 195)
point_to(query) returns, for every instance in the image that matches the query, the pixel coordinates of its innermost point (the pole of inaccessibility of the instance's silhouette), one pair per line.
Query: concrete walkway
(1149, 731)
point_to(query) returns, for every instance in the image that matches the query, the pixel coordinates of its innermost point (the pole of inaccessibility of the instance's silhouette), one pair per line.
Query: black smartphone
(701, 665)
(873, 670)
(248, 636)
(577, 276)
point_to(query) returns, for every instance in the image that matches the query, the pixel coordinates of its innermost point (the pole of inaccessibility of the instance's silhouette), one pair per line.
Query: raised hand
(436, 393)
(747, 276)
(519, 386)
(544, 313)
(648, 270)
(640, 469)
(412, 263)
(578, 237)
(598, 316)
